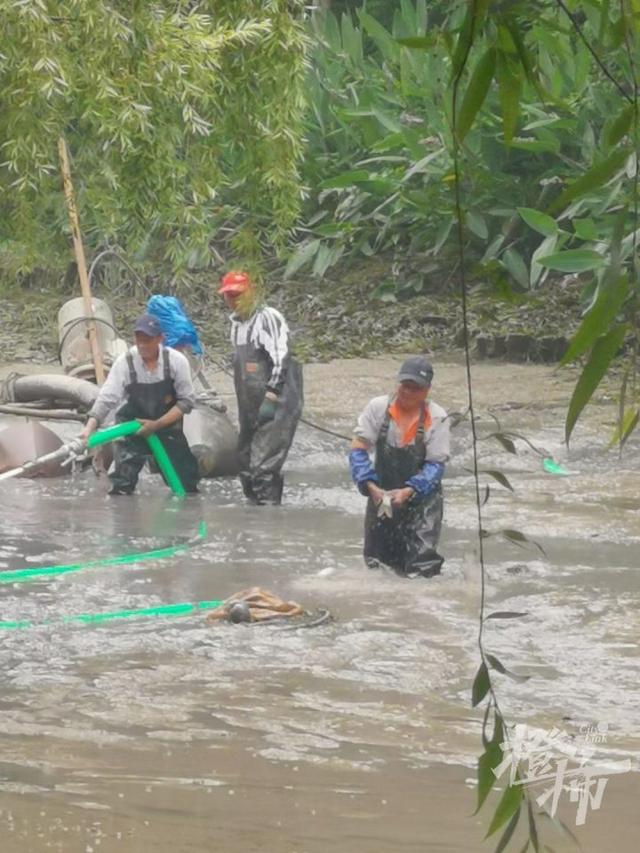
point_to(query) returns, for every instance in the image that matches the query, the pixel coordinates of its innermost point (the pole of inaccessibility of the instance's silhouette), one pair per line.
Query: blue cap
(148, 325)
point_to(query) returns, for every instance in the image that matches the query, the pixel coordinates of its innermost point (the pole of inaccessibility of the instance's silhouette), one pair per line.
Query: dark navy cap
(148, 325)
(416, 369)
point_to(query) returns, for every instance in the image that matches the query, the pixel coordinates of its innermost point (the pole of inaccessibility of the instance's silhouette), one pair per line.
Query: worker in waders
(268, 383)
(410, 435)
(150, 383)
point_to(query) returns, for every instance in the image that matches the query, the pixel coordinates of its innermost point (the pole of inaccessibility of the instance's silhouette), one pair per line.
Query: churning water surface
(174, 735)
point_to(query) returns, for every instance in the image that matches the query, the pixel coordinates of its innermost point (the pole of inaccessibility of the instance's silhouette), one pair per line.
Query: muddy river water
(356, 736)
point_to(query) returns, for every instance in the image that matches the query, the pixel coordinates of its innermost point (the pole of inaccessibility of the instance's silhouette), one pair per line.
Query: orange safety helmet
(234, 282)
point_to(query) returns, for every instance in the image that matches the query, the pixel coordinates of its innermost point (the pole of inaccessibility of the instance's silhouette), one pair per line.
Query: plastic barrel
(213, 440)
(73, 337)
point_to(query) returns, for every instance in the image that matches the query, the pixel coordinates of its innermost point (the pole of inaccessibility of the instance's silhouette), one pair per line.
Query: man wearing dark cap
(150, 383)
(410, 436)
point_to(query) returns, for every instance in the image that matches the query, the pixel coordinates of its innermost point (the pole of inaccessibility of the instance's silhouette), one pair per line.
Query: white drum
(73, 337)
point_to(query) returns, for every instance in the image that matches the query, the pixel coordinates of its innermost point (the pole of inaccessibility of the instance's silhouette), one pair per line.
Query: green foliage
(508, 807)
(594, 179)
(185, 124)
(548, 141)
(599, 317)
(540, 222)
(377, 163)
(573, 260)
(535, 115)
(489, 760)
(476, 92)
(498, 476)
(481, 685)
(505, 614)
(508, 833)
(494, 663)
(573, 127)
(603, 352)
(183, 121)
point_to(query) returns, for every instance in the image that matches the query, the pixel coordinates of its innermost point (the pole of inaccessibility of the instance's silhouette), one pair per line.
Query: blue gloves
(427, 480)
(361, 470)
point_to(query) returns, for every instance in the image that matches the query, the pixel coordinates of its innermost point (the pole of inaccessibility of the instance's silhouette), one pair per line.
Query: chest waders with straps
(407, 541)
(150, 401)
(262, 450)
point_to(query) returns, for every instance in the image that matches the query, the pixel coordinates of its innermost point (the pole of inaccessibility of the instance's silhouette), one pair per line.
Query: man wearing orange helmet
(268, 383)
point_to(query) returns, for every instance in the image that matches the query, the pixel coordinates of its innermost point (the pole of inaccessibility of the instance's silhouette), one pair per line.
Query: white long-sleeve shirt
(268, 329)
(113, 393)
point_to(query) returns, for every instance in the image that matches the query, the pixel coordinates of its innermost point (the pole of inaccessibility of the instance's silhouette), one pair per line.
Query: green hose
(552, 467)
(104, 436)
(95, 618)
(155, 445)
(165, 465)
(22, 575)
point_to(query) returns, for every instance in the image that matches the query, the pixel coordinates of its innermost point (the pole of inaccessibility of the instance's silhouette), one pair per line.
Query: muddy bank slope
(340, 318)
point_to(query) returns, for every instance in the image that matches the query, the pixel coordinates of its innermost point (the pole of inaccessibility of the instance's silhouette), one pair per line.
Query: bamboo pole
(80, 259)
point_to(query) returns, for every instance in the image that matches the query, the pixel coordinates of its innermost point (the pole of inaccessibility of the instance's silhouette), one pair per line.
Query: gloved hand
(267, 411)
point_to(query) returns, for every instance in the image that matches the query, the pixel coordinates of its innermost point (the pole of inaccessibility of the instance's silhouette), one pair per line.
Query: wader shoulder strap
(420, 430)
(384, 429)
(420, 444)
(132, 371)
(165, 361)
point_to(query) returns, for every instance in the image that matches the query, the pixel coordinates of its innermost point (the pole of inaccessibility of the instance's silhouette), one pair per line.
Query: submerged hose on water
(95, 618)
(22, 575)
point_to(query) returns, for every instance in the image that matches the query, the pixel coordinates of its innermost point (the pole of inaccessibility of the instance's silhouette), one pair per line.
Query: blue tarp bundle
(178, 329)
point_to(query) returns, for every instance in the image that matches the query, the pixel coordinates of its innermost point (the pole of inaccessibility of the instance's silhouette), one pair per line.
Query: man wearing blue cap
(410, 436)
(150, 383)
